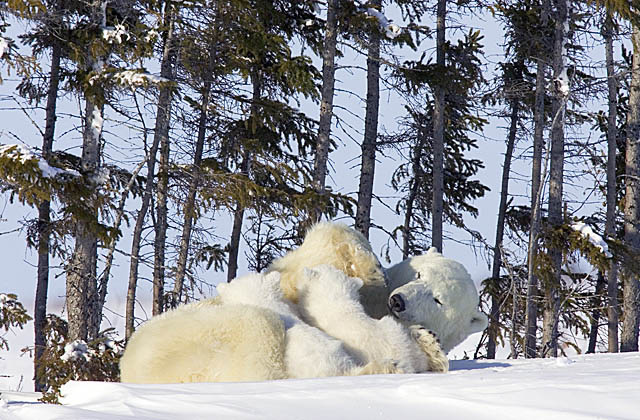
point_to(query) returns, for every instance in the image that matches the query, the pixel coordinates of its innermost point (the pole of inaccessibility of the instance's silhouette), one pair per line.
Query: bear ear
(478, 322)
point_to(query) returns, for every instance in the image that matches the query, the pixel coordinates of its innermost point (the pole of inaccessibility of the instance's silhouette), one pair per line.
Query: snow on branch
(390, 29)
(4, 45)
(595, 239)
(23, 155)
(136, 78)
(115, 34)
(129, 78)
(76, 350)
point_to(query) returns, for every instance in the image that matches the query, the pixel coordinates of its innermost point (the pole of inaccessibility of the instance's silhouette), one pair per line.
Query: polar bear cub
(329, 300)
(309, 352)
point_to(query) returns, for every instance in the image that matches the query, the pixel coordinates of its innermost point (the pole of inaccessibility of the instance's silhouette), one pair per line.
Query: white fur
(344, 248)
(309, 352)
(216, 341)
(425, 280)
(194, 343)
(329, 300)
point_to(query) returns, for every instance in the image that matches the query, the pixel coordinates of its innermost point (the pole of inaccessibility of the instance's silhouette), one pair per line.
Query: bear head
(437, 293)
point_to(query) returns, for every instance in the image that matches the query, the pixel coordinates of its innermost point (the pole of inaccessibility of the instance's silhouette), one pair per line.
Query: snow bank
(594, 386)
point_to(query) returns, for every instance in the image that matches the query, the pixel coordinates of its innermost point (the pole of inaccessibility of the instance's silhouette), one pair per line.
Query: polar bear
(329, 300)
(452, 320)
(437, 293)
(197, 343)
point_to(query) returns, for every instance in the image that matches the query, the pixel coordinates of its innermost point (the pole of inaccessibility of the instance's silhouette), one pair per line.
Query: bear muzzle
(396, 304)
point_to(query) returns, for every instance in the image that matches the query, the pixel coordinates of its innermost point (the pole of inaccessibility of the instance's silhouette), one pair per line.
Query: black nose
(396, 303)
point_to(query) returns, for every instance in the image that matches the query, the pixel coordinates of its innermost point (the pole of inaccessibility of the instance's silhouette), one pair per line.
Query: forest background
(175, 144)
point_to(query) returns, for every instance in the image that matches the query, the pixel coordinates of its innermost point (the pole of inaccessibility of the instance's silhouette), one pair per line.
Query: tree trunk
(160, 136)
(368, 163)
(161, 226)
(245, 167)
(326, 105)
(596, 303)
(558, 106)
(189, 205)
(81, 272)
(531, 320)
(438, 131)
(82, 299)
(413, 193)
(44, 221)
(631, 283)
(502, 210)
(610, 225)
(234, 242)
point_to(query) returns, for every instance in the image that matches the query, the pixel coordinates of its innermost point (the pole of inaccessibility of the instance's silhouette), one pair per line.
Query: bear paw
(380, 368)
(430, 345)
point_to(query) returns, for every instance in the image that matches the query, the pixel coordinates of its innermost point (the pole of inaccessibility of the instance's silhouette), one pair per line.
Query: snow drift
(604, 386)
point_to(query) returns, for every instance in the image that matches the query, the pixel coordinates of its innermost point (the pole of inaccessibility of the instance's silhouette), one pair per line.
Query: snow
(604, 386)
(96, 122)
(17, 152)
(135, 78)
(593, 237)
(4, 299)
(562, 81)
(391, 30)
(24, 154)
(115, 34)
(4, 44)
(76, 350)
(152, 35)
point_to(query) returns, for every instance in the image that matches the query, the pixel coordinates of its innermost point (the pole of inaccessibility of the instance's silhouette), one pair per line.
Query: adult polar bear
(341, 247)
(191, 344)
(447, 302)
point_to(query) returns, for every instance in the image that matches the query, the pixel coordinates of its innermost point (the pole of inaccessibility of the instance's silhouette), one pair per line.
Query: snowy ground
(599, 386)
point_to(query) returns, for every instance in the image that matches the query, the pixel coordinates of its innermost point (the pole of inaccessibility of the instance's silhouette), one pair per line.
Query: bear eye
(437, 301)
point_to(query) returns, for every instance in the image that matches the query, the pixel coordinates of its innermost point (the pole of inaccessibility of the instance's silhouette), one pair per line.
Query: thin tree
(438, 130)
(502, 210)
(190, 203)
(245, 166)
(326, 104)
(610, 224)
(531, 319)
(368, 147)
(44, 219)
(81, 272)
(556, 180)
(160, 136)
(631, 282)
